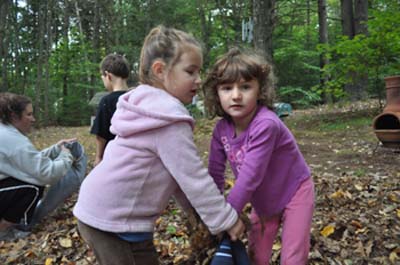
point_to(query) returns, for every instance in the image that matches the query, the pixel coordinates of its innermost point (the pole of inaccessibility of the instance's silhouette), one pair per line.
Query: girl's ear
(108, 75)
(158, 69)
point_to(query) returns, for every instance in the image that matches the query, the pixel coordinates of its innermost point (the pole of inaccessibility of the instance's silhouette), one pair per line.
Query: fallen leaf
(277, 246)
(393, 257)
(65, 242)
(328, 230)
(337, 194)
(356, 224)
(368, 248)
(49, 261)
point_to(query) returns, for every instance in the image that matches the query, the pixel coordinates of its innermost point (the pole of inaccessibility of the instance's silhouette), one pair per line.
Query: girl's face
(24, 124)
(183, 79)
(239, 100)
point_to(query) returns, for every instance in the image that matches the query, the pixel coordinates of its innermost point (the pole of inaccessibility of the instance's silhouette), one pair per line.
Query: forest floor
(357, 212)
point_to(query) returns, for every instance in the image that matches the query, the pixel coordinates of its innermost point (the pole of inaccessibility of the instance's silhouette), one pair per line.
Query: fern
(298, 96)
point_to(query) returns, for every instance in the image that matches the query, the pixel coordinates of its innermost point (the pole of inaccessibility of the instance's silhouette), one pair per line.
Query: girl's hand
(237, 230)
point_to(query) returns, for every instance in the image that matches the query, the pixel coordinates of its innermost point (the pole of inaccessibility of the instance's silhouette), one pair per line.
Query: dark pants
(110, 249)
(18, 199)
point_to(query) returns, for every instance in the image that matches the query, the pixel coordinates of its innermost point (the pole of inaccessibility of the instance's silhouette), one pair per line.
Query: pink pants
(296, 221)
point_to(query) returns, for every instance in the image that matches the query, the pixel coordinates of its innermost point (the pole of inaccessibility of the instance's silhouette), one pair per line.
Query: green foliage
(73, 56)
(343, 124)
(73, 112)
(360, 172)
(296, 61)
(171, 229)
(194, 111)
(298, 97)
(296, 66)
(376, 55)
(70, 73)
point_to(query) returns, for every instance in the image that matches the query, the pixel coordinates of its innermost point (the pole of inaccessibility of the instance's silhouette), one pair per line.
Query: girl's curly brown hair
(232, 67)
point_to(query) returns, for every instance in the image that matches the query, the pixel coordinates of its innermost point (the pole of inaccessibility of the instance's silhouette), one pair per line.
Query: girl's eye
(225, 88)
(245, 87)
(192, 72)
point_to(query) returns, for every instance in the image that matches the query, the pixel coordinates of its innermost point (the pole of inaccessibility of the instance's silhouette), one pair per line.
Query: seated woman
(26, 171)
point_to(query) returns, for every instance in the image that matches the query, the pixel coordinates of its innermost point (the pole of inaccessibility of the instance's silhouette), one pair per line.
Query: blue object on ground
(223, 255)
(230, 253)
(240, 256)
(283, 109)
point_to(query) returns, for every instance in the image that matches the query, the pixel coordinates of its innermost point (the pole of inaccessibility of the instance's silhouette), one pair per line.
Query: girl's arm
(217, 160)
(253, 170)
(177, 151)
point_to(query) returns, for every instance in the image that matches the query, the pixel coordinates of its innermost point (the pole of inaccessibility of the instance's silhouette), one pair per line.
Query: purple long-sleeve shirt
(265, 160)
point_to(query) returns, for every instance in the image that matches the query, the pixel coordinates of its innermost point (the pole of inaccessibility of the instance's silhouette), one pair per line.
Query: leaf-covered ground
(357, 215)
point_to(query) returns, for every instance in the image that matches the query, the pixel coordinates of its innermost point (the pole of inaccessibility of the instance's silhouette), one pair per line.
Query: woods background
(323, 51)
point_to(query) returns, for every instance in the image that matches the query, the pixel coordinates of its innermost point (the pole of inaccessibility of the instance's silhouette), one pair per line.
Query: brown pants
(109, 249)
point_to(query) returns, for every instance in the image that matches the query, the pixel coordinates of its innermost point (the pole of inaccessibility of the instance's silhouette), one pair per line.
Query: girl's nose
(236, 94)
(198, 79)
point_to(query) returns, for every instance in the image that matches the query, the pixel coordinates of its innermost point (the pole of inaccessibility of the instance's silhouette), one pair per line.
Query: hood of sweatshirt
(147, 108)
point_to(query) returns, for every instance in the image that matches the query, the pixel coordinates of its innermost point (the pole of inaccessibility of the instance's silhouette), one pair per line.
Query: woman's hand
(65, 141)
(65, 149)
(237, 230)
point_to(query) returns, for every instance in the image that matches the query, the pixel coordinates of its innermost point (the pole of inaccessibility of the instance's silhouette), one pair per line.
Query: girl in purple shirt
(271, 173)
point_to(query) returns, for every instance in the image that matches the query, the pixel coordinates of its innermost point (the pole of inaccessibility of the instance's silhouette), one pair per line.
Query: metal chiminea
(387, 124)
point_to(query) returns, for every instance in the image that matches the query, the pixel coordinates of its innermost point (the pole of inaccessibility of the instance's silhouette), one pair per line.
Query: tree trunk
(65, 30)
(40, 18)
(308, 20)
(4, 43)
(323, 39)
(354, 20)
(361, 17)
(19, 72)
(205, 30)
(82, 38)
(264, 17)
(361, 27)
(49, 41)
(347, 18)
(96, 45)
(224, 19)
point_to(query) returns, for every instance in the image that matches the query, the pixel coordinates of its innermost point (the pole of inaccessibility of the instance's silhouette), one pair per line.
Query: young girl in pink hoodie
(152, 158)
(270, 170)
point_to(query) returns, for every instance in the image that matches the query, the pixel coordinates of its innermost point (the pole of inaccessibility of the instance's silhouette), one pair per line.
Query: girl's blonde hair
(165, 44)
(232, 67)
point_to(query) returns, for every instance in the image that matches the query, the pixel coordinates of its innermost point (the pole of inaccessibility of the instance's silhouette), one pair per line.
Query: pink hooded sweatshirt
(152, 158)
